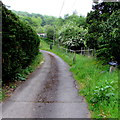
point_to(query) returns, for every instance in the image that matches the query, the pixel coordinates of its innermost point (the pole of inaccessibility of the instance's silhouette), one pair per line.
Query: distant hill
(37, 21)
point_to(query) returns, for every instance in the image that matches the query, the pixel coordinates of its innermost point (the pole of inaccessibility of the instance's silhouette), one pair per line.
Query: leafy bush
(102, 92)
(20, 45)
(72, 36)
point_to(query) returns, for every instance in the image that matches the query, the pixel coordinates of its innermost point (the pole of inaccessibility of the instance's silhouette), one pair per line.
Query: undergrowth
(22, 76)
(25, 72)
(96, 84)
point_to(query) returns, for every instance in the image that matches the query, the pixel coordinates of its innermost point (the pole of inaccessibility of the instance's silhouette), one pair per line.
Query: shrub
(20, 45)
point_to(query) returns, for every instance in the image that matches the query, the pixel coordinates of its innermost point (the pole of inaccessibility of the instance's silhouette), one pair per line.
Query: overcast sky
(51, 7)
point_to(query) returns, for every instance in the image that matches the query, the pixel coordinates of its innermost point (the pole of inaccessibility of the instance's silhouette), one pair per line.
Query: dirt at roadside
(9, 89)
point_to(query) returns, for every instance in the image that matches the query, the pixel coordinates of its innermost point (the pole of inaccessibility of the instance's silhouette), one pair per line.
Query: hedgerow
(20, 45)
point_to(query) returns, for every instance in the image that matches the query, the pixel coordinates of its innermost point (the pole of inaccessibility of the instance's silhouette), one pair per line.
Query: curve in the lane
(50, 92)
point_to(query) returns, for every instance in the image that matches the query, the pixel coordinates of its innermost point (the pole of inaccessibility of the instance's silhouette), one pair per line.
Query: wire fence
(84, 51)
(87, 52)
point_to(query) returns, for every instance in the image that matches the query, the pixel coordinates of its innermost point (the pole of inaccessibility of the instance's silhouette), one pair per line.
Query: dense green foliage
(20, 45)
(71, 31)
(99, 30)
(103, 30)
(6, 90)
(37, 21)
(68, 31)
(96, 84)
(50, 32)
(72, 36)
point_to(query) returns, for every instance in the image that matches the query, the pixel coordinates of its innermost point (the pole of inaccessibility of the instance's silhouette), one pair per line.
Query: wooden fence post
(51, 46)
(94, 52)
(88, 52)
(84, 51)
(66, 50)
(74, 58)
(81, 50)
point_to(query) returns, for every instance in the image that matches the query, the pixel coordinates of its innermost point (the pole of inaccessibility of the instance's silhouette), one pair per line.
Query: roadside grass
(7, 90)
(96, 84)
(44, 45)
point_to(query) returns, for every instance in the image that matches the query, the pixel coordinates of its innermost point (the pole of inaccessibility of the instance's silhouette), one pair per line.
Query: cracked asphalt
(49, 92)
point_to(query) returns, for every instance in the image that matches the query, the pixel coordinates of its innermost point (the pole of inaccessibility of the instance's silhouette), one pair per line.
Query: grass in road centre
(96, 84)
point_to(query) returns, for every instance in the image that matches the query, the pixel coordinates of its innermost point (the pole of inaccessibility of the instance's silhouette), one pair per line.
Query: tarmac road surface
(49, 92)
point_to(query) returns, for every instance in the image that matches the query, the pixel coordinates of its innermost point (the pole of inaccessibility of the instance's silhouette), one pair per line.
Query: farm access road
(49, 92)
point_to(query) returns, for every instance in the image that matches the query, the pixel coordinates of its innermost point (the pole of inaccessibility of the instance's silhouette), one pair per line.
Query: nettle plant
(103, 92)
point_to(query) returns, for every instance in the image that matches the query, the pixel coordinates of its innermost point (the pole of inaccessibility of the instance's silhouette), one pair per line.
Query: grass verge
(96, 84)
(8, 89)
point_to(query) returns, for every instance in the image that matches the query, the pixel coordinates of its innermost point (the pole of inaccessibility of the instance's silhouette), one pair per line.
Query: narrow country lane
(49, 92)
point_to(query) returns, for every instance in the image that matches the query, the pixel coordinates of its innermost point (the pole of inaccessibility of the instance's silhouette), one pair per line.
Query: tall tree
(102, 26)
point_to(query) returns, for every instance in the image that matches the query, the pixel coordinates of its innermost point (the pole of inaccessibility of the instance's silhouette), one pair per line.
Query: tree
(103, 27)
(72, 37)
(109, 41)
(36, 21)
(50, 30)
